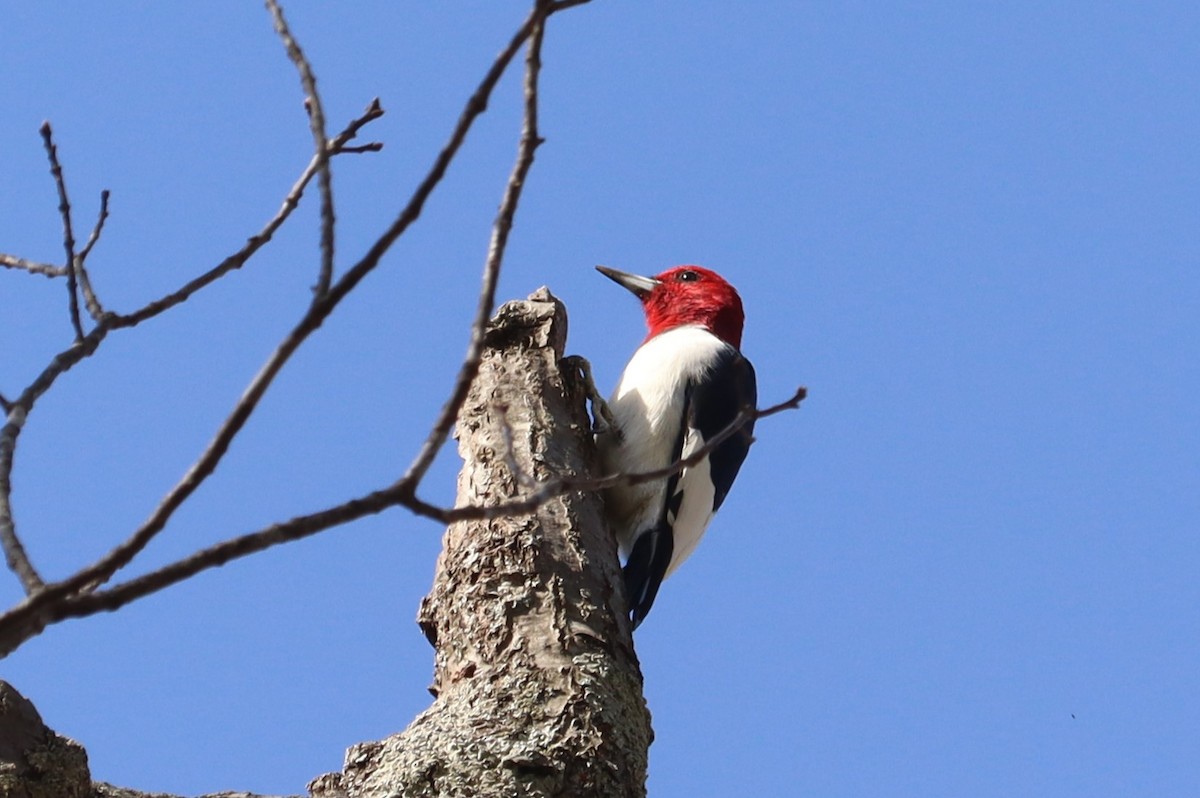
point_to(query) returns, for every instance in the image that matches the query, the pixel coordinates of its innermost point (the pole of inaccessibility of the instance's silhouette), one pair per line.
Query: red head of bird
(686, 295)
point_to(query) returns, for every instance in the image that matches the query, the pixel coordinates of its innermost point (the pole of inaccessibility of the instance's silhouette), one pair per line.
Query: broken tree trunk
(538, 691)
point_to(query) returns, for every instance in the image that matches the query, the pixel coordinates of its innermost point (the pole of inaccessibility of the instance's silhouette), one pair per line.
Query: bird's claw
(603, 422)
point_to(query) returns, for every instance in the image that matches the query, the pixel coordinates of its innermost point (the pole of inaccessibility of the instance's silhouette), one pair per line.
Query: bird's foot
(602, 418)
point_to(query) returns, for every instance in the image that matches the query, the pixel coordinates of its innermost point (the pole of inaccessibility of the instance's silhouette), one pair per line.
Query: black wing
(711, 405)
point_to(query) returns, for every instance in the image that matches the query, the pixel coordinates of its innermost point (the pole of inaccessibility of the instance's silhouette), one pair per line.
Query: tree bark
(537, 687)
(536, 684)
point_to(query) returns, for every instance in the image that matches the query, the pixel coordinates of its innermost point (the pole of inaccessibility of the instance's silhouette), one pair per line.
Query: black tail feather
(645, 570)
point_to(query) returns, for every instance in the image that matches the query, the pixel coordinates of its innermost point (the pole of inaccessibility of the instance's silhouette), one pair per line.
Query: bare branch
(5, 405)
(64, 208)
(17, 411)
(491, 272)
(95, 235)
(316, 119)
(15, 554)
(30, 616)
(475, 106)
(562, 485)
(80, 593)
(14, 551)
(215, 556)
(337, 144)
(372, 503)
(257, 241)
(33, 267)
(204, 466)
(95, 310)
(374, 146)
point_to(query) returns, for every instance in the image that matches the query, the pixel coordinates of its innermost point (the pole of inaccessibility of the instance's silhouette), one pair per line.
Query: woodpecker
(684, 384)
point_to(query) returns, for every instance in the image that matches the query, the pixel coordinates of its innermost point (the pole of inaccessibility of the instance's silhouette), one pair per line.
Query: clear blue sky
(969, 566)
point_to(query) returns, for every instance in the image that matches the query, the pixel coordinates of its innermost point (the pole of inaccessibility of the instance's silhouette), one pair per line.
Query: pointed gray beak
(640, 286)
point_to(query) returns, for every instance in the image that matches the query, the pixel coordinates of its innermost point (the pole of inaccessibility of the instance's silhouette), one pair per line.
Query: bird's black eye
(688, 276)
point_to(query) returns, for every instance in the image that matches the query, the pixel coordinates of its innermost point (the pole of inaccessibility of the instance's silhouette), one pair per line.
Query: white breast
(648, 408)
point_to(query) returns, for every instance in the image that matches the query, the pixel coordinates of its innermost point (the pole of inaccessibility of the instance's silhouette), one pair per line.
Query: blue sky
(968, 566)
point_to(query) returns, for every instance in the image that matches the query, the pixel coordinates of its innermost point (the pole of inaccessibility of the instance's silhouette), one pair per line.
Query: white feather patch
(648, 408)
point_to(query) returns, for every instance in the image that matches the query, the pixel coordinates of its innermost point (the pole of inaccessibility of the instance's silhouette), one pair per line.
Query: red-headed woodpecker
(684, 384)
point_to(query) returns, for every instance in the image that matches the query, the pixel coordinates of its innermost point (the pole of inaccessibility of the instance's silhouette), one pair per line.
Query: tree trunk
(538, 691)
(536, 684)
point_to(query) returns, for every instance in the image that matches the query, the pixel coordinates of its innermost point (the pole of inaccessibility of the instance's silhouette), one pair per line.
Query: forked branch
(81, 593)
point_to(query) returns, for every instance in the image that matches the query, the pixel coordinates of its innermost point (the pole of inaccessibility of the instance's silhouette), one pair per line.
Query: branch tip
(64, 209)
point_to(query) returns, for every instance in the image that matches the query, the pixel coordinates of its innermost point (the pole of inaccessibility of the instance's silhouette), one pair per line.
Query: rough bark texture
(34, 761)
(37, 763)
(537, 687)
(536, 684)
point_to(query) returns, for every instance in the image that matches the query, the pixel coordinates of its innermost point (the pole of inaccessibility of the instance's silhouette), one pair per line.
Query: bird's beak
(640, 286)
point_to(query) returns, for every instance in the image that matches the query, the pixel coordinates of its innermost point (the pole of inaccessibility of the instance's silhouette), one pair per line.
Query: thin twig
(561, 485)
(316, 120)
(94, 308)
(64, 209)
(33, 267)
(337, 144)
(99, 572)
(476, 105)
(566, 484)
(27, 616)
(259, 239)
(491, 272)
(372, 503)
(120, 556)
(99, 227)
(61, 599)
(374, 146)
(84, 347)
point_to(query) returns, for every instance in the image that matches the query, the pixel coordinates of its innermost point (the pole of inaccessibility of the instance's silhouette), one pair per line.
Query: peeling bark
(538, 691)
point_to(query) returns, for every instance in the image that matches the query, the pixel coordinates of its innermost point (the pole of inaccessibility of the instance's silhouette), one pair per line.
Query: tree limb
(14, 550)
(491, 271)
(48, 604)
(396, 495)
(83, 348)
(259, 239)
